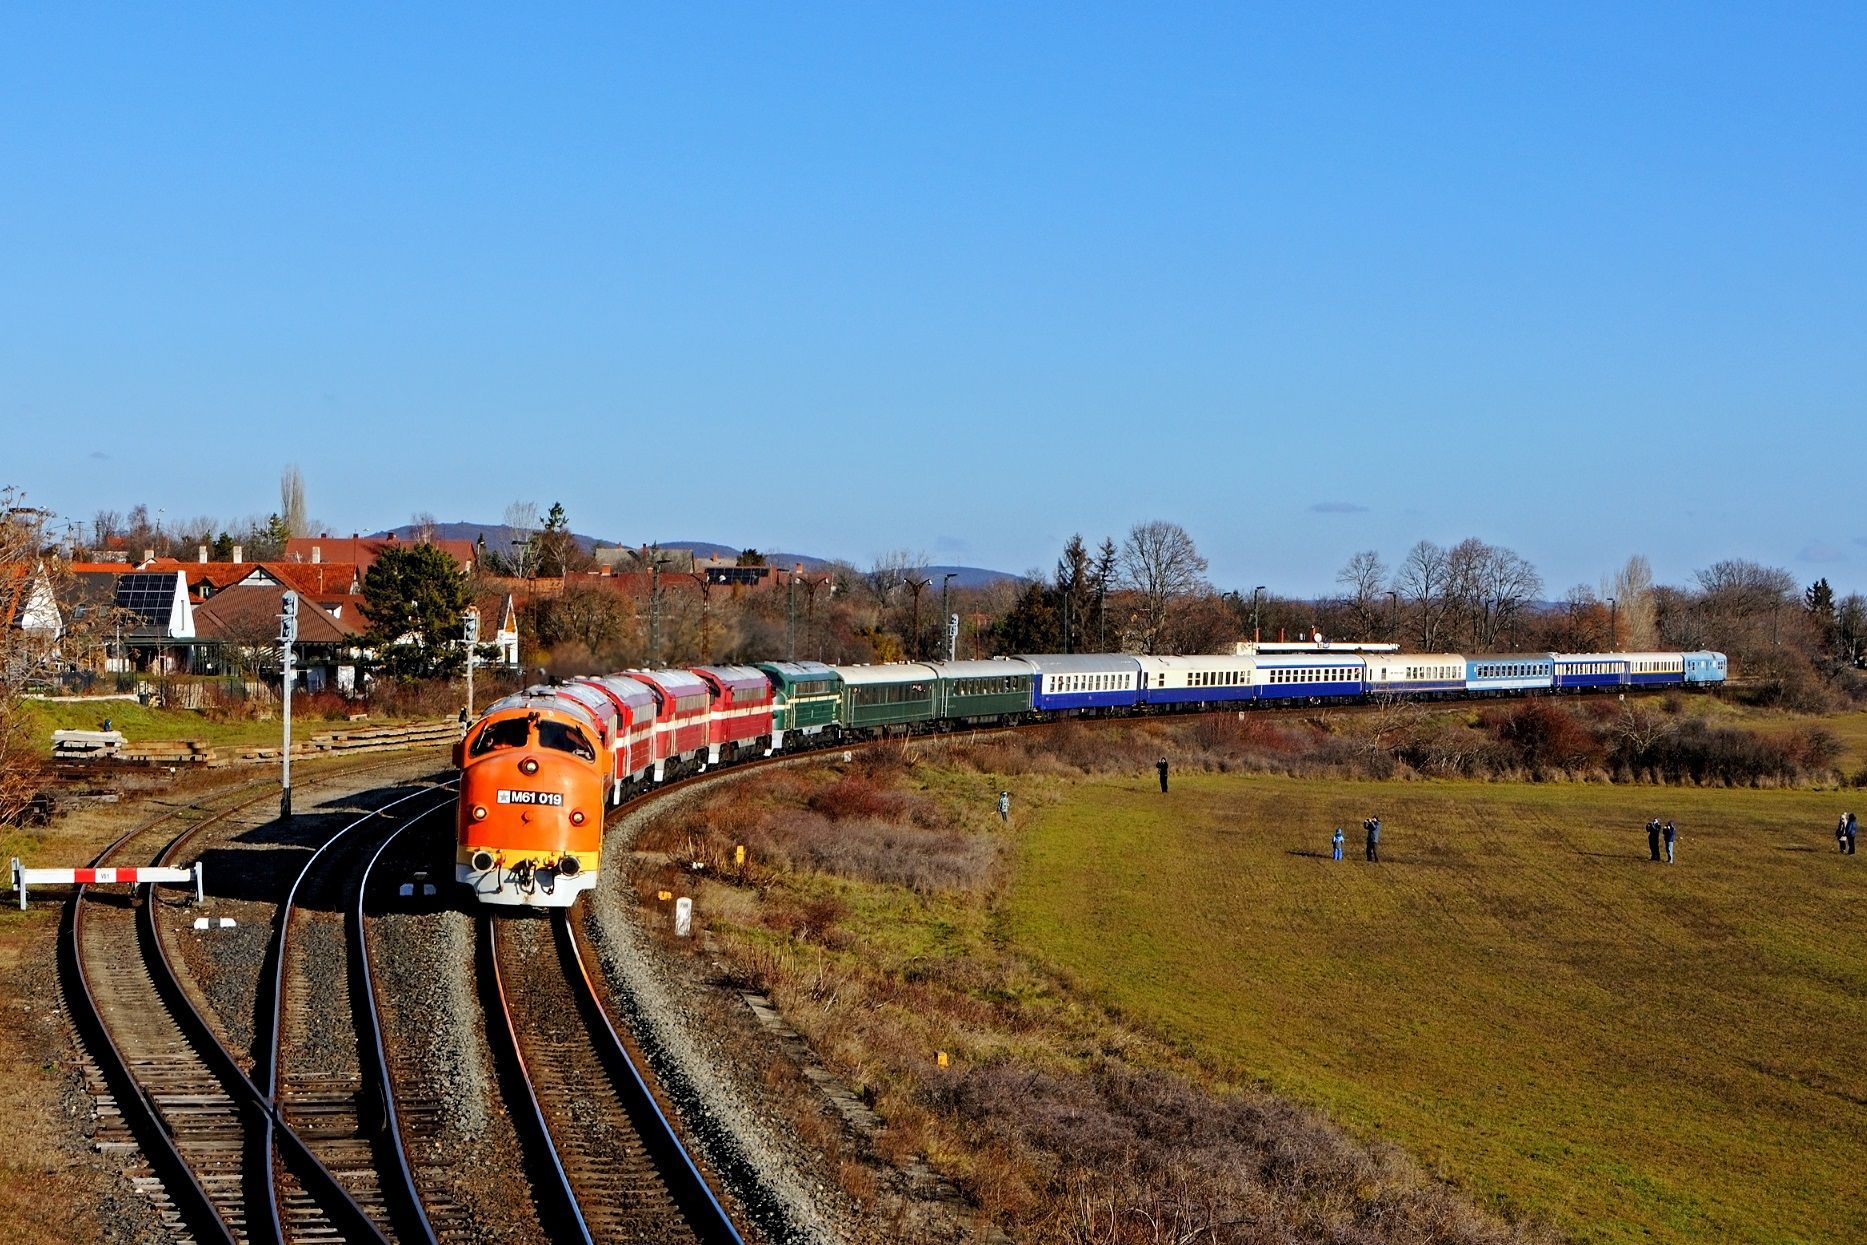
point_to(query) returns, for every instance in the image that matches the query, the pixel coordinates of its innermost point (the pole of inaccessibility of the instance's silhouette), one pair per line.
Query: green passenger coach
(984, 691)
(806, 697)
(878, 697)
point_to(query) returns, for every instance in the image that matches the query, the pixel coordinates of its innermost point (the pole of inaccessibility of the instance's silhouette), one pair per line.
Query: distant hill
(496, 542)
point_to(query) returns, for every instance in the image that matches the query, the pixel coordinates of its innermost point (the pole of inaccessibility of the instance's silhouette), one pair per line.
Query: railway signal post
(288, 636)
(472, 632)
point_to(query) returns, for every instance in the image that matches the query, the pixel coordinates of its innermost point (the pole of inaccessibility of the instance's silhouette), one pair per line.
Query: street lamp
(1254, 612)
(1393, 615)
(1613, 629)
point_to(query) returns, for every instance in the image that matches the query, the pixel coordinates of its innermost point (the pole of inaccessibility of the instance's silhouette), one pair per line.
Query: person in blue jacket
(1672, 832)
(1338, 842)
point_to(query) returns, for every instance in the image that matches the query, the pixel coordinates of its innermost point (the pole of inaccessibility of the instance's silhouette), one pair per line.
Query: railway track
(605, 1160)
(165, 1084)
(321, 1047)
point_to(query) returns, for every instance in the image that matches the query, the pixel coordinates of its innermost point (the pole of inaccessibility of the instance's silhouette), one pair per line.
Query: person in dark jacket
(1671, 833)
(1853, 826)
(1161, 767)
(1653, 838)
(1374, 838)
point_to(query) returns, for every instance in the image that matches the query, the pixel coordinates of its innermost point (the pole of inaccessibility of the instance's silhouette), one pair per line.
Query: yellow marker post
(664, 896)
(739, 855)
(940, 1058)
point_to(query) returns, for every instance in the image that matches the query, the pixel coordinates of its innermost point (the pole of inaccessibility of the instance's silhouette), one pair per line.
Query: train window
(506, 733)
(565, 739)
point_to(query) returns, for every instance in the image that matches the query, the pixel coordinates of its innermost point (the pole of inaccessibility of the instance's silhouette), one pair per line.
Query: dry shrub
(1127, 1155)
(922, 858)
(858, 794)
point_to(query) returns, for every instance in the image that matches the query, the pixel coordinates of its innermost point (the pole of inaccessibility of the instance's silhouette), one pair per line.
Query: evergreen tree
(415, 598)
(1032, 625)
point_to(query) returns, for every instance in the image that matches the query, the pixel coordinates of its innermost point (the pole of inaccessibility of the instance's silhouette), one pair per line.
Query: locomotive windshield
(505, 733)
(565, 739)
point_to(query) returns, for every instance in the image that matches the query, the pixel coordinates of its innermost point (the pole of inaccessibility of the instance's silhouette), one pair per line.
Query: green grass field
(1515, 994)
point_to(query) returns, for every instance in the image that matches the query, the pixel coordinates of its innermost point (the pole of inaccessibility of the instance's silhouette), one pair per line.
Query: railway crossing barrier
(24, 877)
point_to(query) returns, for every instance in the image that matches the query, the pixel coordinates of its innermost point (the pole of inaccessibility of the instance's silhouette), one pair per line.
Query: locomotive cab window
(564, 738)
(508, 733)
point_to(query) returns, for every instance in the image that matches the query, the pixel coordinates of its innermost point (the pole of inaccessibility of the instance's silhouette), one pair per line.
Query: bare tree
(1422, 581)
(30, 631)
(521, 524)
(1634, 620)
(1364, 579)
(292, 501)
(1506, 586)
(1162, 565)
(105, 526)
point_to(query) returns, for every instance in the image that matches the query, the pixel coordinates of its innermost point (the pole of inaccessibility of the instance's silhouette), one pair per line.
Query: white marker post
(683, 917)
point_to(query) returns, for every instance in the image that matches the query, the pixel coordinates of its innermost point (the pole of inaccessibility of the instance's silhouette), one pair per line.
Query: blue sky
(1580, 280)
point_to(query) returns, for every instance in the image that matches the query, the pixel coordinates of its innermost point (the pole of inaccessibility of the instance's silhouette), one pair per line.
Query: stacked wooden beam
(365, 739)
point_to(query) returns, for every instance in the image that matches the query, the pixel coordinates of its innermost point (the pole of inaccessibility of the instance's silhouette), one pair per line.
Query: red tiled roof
(246, 615)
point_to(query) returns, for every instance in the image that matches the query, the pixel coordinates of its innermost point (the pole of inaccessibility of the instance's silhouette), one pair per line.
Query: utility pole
(915, 586)
(288, 636)
(1614, 631)
(706, 614)
(1254, 612)
(790, 611)
(1393, 615)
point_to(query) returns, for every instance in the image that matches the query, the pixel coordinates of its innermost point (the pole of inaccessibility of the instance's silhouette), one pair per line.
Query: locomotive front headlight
(529, 765)
(570, 867)
(479, 812)
(576, 817)
(482, 860)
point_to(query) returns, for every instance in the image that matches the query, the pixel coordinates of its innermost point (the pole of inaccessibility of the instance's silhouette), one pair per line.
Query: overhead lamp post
(1255, 592)
(1614, 631)
(288, 636)
(1393, 615)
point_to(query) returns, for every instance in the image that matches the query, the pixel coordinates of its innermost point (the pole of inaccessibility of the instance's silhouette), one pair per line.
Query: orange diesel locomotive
(533, 775)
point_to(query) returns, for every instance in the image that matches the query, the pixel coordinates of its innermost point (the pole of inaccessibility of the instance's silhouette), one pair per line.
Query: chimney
(149, 555)
(200, 554)
(317, 554)
(237, 559)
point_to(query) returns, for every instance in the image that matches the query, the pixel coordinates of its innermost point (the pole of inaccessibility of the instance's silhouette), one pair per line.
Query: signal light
(529, 765)
(576, 817)
(479, 812)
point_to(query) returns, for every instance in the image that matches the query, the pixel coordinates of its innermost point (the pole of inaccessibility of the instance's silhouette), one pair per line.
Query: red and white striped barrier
(24, 877)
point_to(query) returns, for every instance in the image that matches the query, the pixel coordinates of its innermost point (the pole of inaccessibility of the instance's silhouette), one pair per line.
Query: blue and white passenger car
(1510, 673)
(1318, 674)
(1076, 682)
(1654, 669)
(1579, 670)
(1704, 667)
(1414, 674)
(1197, 680)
